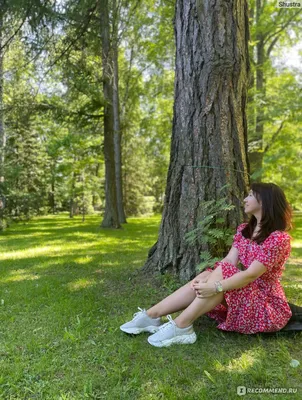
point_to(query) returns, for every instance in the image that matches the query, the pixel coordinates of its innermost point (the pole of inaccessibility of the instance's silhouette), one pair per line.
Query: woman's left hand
(204, 289)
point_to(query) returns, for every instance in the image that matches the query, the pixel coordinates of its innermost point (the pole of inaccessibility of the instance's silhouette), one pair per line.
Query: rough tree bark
(256, 156)
(111, 219)
(116, 117)
(2, 129)
(72, 202)
(52, 198)
(209, 126)
(2, 132)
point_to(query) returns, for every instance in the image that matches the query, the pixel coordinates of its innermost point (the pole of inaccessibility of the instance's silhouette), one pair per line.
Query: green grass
(67, 286)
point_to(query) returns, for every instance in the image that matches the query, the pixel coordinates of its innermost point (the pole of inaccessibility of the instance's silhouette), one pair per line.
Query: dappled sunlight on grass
(38, 251)
(293, 285)
(246, 360)
(294, 262)
(79, 284)
(83, 260)
(18, 237)
(19, 275)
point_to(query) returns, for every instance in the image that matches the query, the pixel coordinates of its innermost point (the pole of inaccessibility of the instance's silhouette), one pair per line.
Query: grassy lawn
(67, 286)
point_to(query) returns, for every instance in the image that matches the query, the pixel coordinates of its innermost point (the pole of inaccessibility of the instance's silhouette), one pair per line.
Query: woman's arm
(237, 281)
(243, 278)
(232, 256)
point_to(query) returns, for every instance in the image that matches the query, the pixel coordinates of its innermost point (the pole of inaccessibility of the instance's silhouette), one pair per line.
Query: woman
(247, 301)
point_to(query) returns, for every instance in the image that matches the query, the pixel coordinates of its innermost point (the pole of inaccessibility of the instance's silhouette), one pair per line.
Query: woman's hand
(204, 289)
(202, 278)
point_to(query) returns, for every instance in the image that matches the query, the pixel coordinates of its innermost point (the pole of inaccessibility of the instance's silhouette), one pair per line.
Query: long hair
(276, 212)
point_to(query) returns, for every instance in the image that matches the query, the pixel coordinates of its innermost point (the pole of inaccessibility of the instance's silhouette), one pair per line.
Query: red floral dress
(261, 306)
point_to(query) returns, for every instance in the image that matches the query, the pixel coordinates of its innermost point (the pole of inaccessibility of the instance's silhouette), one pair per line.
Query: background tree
(271, 29)
(2, 131)
(111, 218)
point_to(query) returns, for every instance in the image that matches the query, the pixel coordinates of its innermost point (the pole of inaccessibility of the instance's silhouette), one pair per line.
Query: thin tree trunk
(71, 207)
(256, 156)
(94, 196)
(209, 134)
(111, 219)
(2, 129)
(116, 122)
(251, 93)
(83, 197)
(52, 195)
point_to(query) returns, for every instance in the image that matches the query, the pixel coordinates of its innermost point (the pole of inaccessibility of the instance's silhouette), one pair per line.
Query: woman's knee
(204, 274)
(216, 275)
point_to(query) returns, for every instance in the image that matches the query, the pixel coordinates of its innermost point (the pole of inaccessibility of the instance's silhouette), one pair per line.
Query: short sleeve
(238, 236)
(275, 250)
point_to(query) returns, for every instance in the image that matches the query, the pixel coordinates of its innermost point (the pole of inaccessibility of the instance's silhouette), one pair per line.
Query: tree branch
(268, 146)
(51, 107)
(46, 106)
(126, 24)
(268, 52)
(81, 33)
(282, 27)
(34, 58)
(17, 31)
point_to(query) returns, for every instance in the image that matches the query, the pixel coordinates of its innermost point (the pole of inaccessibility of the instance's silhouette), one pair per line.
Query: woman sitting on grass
(247, 301)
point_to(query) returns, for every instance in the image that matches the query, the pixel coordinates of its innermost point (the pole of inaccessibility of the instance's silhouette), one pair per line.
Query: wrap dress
(261, 306)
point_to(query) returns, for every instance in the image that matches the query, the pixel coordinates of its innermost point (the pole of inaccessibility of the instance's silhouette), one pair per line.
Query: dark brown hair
(276, 212)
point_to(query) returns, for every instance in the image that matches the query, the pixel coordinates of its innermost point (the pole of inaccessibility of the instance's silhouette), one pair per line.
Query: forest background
(52, 102)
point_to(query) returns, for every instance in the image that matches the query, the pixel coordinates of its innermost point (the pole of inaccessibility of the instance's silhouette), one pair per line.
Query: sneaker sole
(136, 331)
(184, 339)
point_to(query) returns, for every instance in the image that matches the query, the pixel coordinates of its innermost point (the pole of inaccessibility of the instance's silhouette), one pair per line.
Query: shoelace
(165, 326)
(137, 314)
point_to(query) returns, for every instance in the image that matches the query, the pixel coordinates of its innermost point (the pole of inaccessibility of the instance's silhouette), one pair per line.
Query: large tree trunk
(116, 122)
(209, 136)
(111, 219)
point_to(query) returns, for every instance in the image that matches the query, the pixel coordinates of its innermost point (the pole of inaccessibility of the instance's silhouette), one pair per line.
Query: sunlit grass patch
(19, 275)
(81, 284)
(246, 360)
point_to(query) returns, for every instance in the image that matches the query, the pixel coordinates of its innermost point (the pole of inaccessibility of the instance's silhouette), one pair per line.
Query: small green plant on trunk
(211, 232)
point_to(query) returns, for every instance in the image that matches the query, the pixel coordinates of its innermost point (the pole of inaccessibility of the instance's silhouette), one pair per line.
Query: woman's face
(251, 205)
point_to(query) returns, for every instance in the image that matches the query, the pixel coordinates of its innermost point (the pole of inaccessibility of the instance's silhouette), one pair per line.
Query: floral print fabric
(261, 306)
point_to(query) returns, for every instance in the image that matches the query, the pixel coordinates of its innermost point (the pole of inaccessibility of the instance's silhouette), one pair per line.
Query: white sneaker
(141, 323)
(169, 333)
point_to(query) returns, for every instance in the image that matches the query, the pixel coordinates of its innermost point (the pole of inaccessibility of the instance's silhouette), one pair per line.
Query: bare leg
(177, 301)
(200, 306)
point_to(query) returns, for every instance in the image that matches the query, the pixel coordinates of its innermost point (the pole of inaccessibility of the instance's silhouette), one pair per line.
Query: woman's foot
(170, 333)
(141, 323)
